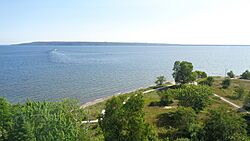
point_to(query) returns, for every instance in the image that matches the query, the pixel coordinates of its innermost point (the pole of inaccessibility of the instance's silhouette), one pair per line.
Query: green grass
(229, 92)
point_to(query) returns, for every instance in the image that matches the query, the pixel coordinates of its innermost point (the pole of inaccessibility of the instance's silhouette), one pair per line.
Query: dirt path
(232, 104)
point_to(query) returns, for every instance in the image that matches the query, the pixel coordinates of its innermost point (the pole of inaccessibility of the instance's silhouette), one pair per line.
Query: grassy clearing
(229, 92)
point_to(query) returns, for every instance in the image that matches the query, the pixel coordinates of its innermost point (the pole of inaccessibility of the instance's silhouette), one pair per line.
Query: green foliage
(183, 118)
(5, 119)
(245, 75)
(224, 125)
(247, 101)
(182, 139)
(46, 121)
(200, 74)
(226, 83)
(180, 122)
(231, 74)
(125, 122)
(239, 92)
(207, 81)
(167, 97)
(160, 80)
(183, 72)
(193, 96)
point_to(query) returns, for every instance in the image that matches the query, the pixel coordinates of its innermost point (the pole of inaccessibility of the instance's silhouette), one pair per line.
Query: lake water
(91, 72)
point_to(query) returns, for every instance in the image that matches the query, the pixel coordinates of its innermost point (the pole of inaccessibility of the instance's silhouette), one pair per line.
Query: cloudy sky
(164, 21)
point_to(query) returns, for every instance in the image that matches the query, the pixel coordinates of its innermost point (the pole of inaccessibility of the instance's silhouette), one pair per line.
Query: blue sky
(165, 21)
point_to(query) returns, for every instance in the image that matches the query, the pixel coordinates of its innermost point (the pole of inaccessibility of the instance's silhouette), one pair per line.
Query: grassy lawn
(229, 92)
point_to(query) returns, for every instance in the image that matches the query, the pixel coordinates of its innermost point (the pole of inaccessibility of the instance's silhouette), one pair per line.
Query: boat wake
(58, 56)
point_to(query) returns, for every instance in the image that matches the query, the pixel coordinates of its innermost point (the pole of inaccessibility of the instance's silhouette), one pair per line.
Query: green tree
(207, 81)
(231, 74)
(245, 75)
(5, 119)
(239, 92)
(48, 121)
(183, 72)
(226, 83)
(200, 74)
(224, 125)
(125, 122)
(160, 80)
(193, 96)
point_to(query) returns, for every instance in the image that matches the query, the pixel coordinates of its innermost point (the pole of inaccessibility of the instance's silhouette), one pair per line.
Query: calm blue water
(90, 72)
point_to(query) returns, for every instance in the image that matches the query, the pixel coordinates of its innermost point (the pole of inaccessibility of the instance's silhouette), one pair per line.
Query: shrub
(245, 75)
(239, 92)
(200, 74)
(167, 97)
(224, 125)
(180, 121)
(226, 83)
(247, 102)
(193, 96)
(231, 74)
(208, 81)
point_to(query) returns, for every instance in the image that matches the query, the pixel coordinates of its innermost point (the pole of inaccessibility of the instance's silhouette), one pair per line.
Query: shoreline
(99, 100)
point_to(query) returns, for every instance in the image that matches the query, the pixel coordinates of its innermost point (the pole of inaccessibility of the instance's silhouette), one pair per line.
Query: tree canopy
(193, 96)
(125, 121)
(224, 125)
(183, 72)
(41, 121)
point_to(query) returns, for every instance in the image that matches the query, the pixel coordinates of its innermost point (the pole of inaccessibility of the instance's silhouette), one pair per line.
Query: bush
(180, 121)
(247, 102)
(193, 96)
(226, 83)
(230, 74)
(167, 97)
(245, 75)
(200, 74)
(239, 92)
(208, 81)
(224, 125)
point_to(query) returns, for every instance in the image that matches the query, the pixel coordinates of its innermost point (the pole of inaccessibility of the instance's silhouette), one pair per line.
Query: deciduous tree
(183, 72)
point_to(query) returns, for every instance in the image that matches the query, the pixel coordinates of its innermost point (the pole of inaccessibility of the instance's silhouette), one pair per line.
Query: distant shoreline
(79, 43)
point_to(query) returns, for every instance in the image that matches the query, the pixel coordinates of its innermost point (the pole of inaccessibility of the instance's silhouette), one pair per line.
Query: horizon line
(119, 42)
